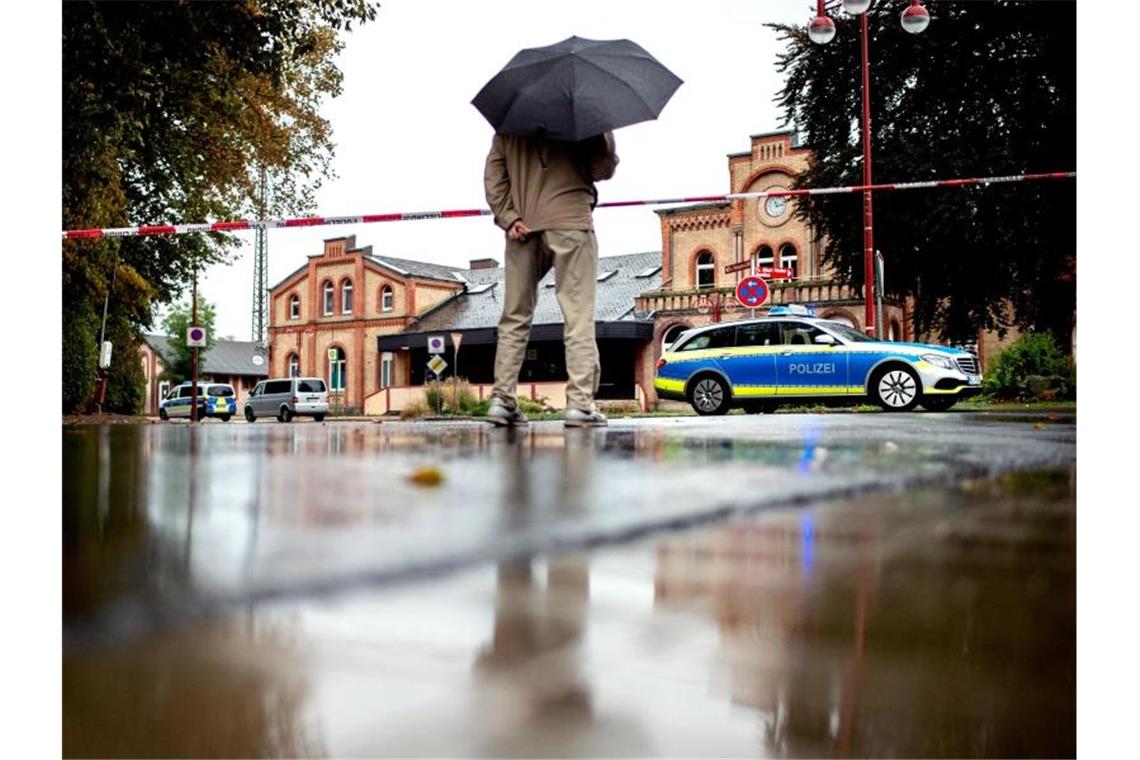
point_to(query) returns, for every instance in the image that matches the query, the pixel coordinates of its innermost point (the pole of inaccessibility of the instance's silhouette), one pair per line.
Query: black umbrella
(576, 89)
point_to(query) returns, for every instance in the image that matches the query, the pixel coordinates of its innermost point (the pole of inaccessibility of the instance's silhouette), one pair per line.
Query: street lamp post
(821, 30)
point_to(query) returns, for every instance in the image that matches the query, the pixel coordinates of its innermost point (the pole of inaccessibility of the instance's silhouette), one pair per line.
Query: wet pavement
(791, 585)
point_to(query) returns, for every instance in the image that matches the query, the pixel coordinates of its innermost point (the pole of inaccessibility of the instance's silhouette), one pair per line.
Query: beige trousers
(574, 256)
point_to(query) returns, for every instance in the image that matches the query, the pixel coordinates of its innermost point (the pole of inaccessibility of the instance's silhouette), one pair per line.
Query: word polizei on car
(792, 357)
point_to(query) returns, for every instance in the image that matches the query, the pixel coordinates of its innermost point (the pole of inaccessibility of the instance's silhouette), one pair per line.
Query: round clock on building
(774, 211)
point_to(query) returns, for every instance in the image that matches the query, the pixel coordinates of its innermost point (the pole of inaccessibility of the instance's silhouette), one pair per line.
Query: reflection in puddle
(937, 622)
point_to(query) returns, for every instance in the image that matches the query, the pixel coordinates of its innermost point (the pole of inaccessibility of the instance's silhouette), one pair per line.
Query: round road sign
(751, 292)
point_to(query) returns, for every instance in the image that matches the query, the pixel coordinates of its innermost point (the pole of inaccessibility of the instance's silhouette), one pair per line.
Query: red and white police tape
(321, 221)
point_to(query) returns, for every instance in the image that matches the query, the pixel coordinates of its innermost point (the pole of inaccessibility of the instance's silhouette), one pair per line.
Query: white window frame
(709, 267)
(765, 261)
(346, 297)
(329, 298)
(387, 296)
(794, 259)
(387, 367)
(294, 306)
(343, 363)
(294, 365)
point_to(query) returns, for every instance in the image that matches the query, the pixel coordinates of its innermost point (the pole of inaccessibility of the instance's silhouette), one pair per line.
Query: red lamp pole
(868, 225)
(821, 30)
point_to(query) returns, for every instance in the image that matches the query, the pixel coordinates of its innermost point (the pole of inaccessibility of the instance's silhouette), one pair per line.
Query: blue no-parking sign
(751, 292)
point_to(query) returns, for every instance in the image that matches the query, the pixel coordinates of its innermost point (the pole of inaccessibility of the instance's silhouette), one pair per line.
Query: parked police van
(214, 400)
(288, 397)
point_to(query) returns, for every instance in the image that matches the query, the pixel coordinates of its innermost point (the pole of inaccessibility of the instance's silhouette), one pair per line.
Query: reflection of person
(542, 195)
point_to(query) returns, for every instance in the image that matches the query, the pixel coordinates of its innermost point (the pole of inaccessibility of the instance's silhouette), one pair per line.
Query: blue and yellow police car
(790, 356)
(214, 400)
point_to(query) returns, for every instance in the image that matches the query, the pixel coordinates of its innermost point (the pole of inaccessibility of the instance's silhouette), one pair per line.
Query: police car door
(806, 368)
(751, 365)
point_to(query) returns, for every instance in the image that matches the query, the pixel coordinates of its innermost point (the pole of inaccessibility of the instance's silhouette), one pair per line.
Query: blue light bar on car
(791, 310)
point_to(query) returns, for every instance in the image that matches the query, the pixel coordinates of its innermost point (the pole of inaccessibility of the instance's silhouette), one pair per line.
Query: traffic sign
(751, 292)
(739, 266)
(774, 273)
(435, 344)
(456, 338)
(196, 336)
(437, 364)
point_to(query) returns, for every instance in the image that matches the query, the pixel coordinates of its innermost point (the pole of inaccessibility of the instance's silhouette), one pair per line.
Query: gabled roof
(227, 357)
(407, 267)
(482, 309)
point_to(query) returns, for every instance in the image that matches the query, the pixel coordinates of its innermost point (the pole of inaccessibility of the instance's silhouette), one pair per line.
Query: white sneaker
(585, 418)
(498, 413)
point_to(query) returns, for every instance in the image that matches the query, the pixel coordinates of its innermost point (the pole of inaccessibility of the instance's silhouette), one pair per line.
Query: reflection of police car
(214, 400)
(790, 356)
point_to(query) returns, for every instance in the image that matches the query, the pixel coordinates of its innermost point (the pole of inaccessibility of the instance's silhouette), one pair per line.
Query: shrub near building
(1034, 368)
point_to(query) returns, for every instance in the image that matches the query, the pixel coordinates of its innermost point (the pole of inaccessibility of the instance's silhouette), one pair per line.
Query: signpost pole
(194, 353)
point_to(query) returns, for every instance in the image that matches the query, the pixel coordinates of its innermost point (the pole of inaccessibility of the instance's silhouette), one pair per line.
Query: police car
(214, 400)
(791, 356)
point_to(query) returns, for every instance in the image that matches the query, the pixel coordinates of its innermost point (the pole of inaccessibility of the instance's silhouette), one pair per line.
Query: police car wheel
(224, 417)
(709, 395)
(896, 389)
(162, 415)
(938, 403)
(249, 415)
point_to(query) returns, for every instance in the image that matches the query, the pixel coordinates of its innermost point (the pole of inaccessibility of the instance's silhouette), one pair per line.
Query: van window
(184, 391)
(224, 391)
(311, 386)
(278, 386)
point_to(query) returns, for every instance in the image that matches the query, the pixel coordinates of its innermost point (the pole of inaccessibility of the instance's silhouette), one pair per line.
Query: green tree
(988, 89)
(169, 112)
(175, 325)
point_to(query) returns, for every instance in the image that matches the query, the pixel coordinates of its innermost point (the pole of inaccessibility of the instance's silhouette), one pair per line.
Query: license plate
(314, 398)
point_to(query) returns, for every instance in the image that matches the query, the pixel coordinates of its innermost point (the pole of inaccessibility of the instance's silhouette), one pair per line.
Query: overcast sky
(408, 138)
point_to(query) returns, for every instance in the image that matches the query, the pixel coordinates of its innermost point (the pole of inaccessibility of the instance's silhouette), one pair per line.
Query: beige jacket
(548, 184)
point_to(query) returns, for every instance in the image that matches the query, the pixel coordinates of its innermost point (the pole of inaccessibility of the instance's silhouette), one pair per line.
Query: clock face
(776, 206)
(774, 211)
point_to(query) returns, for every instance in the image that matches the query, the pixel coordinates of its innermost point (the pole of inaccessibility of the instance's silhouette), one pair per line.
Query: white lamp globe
(855, 7)
(821, 30)
(915, 19)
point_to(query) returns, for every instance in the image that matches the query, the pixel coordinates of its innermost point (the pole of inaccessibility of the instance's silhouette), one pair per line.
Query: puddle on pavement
(934, 623)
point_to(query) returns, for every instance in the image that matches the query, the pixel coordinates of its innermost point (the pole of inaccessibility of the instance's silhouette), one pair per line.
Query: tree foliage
(170, 110)
(989, 89)
(175, 325)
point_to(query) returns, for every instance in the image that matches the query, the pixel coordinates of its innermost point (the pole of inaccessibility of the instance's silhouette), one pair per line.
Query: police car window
(310, 386)
(798, 333)
(185, 391)
(220, 390)
(850, 333)
(722, 337)
(757, 334)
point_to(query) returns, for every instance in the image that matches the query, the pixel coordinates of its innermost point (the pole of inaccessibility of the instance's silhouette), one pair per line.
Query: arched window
(294, 306)
(764, 256)
(337, 368)
(294, 365)
(670, 336)
(789, 259)
(386, 298)
(328, 292)
(346, 297)
(706, 270)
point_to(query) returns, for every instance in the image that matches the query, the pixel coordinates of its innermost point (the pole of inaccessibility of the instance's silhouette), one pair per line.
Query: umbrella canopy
(576, 89)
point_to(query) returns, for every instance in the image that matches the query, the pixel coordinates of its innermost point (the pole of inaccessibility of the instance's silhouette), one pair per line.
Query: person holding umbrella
(554, 109)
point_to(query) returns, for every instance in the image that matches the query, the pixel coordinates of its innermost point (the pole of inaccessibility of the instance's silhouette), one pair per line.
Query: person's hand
(518, 231)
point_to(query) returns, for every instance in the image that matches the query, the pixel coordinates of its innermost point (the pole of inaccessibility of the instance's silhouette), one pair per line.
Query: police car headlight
(938, 360)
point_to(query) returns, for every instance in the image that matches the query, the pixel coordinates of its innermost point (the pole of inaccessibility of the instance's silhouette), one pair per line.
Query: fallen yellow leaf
(427, 476)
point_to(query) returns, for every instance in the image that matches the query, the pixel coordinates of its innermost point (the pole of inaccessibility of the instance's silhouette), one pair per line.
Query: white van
(288, 397)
